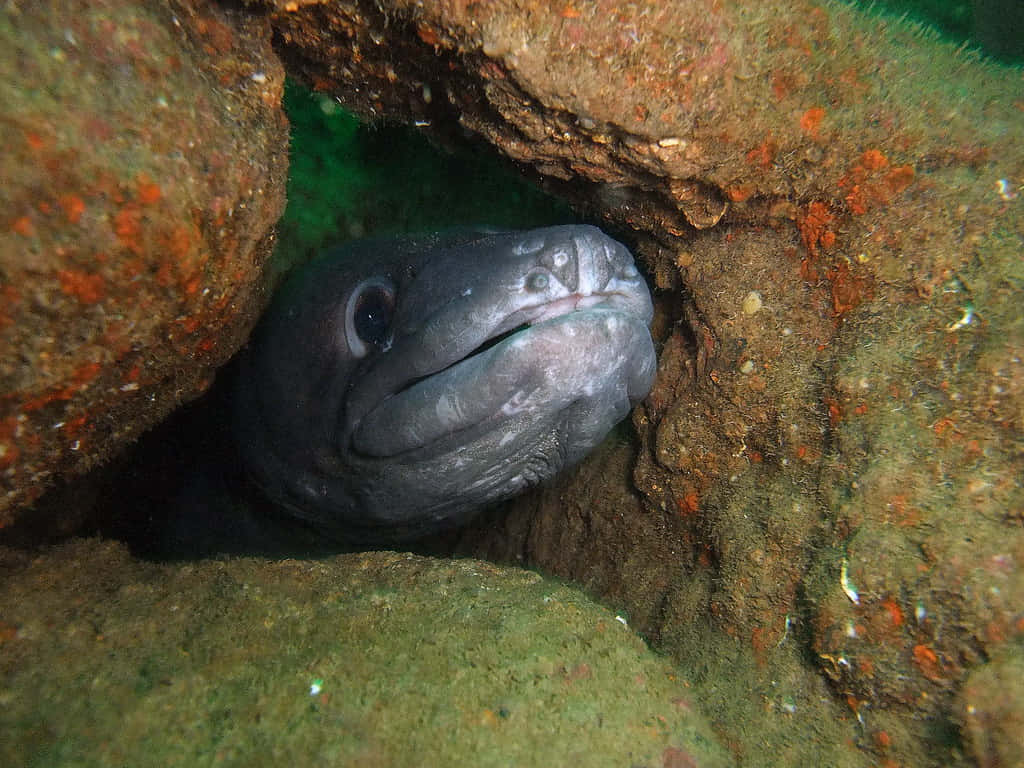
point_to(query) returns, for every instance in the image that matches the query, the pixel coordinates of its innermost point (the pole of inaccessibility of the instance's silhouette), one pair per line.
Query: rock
(840, 469)
(992, 706)
(369, 659)
(821, 521)
(144, 166)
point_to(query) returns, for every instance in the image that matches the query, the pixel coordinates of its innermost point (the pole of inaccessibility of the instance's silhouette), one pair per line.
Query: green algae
(369, 659)
(350, 178)
(988, 24)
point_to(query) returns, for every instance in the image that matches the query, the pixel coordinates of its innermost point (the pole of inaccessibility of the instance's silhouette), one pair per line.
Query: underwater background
(247, 662)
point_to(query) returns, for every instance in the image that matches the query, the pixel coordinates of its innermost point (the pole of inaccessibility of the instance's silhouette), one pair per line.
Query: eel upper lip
(564, 306)
(574, 302)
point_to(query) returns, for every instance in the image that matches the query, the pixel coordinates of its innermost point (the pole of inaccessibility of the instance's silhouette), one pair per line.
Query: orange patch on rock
(873, 160)
(74, 426)
(898, 512)
(783, 84)
(851, 79)
(73, 207)
(872, 182)
(321, 83)
(9, 295)
(428, 35)
(740, 192)
(178, 242)
(761, 640)
(688, 504)
(927, 662)
(763, 154)
(815, 225)
(23, 226)
(674, 757)
(810, 121)
(148, 193)
(894, 611)
(898, 179)
(835, 411)
(848, 289)
(128, 228)
(219, 36)
(85, 287)
(35, 140)
(82, 376)
(9, 452)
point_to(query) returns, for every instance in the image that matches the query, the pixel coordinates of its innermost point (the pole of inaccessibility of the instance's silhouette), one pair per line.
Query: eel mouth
(490, 343)
(524, 320)
(534, 360)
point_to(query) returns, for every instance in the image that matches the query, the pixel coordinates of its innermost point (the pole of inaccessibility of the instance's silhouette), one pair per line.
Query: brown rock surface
(144, 162)
(831, 207)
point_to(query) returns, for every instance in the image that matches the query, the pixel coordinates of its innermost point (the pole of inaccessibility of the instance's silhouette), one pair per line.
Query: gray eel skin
(395, 387)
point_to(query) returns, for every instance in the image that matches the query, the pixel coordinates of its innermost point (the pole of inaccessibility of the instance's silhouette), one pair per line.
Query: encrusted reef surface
(145, 153)
(370, 659)
(822, 518)
(829, 481)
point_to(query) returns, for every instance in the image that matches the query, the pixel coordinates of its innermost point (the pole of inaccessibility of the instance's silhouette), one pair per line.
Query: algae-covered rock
(364, 659)
(992, 705)
(144, 159)
(830, 205)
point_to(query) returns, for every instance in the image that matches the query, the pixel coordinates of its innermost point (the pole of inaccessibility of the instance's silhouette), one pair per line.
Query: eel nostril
(563, 262)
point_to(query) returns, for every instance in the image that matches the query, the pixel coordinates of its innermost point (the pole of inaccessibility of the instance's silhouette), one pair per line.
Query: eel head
(397, 386)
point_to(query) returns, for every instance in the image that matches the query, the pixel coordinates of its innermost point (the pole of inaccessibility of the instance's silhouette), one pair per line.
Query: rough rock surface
(822, 522)
(145, 154)
(372, 659)
(832, 207)
(992, 705)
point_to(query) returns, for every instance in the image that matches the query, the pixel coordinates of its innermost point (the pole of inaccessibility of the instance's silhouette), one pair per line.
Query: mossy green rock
(372, 659)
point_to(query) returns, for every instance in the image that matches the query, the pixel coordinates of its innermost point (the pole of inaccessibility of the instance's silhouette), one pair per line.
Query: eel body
(395, 387)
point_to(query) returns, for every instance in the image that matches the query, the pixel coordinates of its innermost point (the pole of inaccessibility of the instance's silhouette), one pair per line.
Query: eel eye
(372, 317)
(371, 308)
(537, 282)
